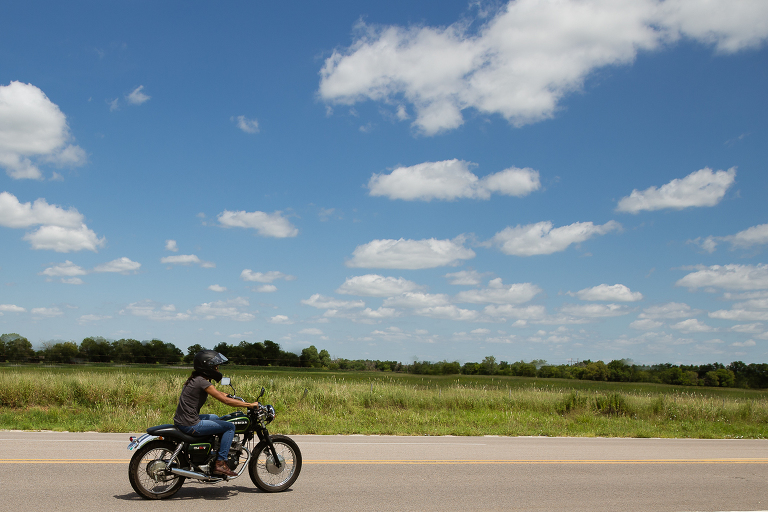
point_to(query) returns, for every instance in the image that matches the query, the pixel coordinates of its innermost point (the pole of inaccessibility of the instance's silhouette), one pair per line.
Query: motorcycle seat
(169, 430)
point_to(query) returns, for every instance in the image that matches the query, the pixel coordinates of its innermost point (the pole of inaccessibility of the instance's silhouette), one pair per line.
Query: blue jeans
(210, 424)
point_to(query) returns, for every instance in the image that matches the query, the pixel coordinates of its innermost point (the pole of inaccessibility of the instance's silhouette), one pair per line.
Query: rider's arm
(223, 398)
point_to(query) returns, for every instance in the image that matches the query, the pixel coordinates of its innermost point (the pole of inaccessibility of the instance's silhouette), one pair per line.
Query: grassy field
(113, 399)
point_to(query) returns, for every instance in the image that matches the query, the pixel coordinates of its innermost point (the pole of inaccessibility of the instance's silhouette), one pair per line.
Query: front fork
(263, 434)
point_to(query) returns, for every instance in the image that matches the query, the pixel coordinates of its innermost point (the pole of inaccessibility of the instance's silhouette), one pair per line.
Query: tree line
(16, 348)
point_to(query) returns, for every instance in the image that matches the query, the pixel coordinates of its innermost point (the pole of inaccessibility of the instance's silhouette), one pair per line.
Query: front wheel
(149, 472)
(269, 476)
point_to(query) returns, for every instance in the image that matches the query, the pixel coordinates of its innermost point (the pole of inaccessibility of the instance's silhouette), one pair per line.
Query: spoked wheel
(149, 472)
(270, 476)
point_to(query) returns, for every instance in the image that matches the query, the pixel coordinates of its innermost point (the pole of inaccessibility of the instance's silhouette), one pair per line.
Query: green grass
(110, 399)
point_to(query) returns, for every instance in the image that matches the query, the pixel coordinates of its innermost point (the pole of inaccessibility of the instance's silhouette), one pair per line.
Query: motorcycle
(165, 457)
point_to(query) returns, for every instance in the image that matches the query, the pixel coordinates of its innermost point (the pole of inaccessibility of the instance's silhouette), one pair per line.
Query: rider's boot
(221, 468)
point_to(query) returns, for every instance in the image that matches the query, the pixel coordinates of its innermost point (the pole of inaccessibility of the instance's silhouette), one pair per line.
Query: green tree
(17, 348)
(191, 351)
(310, 357)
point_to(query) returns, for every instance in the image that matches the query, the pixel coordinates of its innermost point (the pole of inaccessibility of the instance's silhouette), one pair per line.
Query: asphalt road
(89, 472)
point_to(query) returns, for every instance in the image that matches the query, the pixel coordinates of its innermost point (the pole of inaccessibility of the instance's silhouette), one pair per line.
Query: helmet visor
(217, 360)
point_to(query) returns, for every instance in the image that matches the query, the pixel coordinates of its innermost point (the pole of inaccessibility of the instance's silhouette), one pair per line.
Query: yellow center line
(437, 462)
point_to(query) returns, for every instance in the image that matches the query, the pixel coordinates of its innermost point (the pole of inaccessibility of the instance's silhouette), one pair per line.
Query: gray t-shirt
(192, 398)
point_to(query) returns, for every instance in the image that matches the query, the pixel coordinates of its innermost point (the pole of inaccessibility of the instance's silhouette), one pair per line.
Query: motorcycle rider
(195, 392)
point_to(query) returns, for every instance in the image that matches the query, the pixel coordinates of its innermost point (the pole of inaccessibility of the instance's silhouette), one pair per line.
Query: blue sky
(552, 180)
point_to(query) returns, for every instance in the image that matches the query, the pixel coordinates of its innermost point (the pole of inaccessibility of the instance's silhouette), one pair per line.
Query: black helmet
(206, 362)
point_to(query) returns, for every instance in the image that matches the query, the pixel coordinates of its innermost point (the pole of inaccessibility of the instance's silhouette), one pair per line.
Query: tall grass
(121, 400)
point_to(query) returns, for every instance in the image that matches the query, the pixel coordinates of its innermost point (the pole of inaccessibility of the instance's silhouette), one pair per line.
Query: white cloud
(47, 312)
(137, 96)
(373, 285)
(525, 58)
(594, 310)
(86, 319)
(11, 308)
(264, 277)
(756, 235)
(155, 311)
(544, 238)
(645, 324)
(499, 293)
(60, 230)
(245, 124)
(217, 288)
(265, 224)
(230, 309)
(410, 254)
(280, 320)
(700, 188)
(61, 239)
(15, 214)
(465, 277)
(417, 300)
(527, 313)
(730, 277)
(749, 310)
(743, 344)
(670, 310)
(312, 331)
(449, 180)
(692, 325)
(33, 130)
(320, 302)
(170, 245)
(66, 269)
(616, 292)
(121, 265)
(267, 288)
(187, 259)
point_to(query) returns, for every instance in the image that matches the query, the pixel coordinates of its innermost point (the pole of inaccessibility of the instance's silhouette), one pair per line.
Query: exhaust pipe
(192, 474)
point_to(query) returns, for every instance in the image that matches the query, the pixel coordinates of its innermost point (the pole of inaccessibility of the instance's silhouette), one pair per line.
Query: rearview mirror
(225, 381)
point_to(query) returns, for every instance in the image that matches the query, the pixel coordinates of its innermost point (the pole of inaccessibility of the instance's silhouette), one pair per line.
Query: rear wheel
(149, 471)
(266, 473)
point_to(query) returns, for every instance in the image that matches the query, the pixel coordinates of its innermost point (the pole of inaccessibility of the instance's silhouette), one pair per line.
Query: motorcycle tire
(265, 474)
(148, 473)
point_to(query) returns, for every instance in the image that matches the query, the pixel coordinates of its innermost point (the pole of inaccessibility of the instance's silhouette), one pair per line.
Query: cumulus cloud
(418, 300)
(692, 325)
(670, 310)
(499, 293)
(645, 324)
(60, 230)
(594, 310)
(187, 259)
(170, 245)
(121, 265)
(155, 311)
(464, 277)
(700, 188)
(321, 302)
(137, 96)
(280, 320)
(227, 309)
(449, 180)
(616, 292)
(524, 58)
(265, 224)
(217, 288)
(755, 309)
(410, 254)
(69, 272)
(374, 285)
(245, 124)
(264, 277)
(11, 308)
(33, 131)
(729, 277)
(756, 235)
(544, 238)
